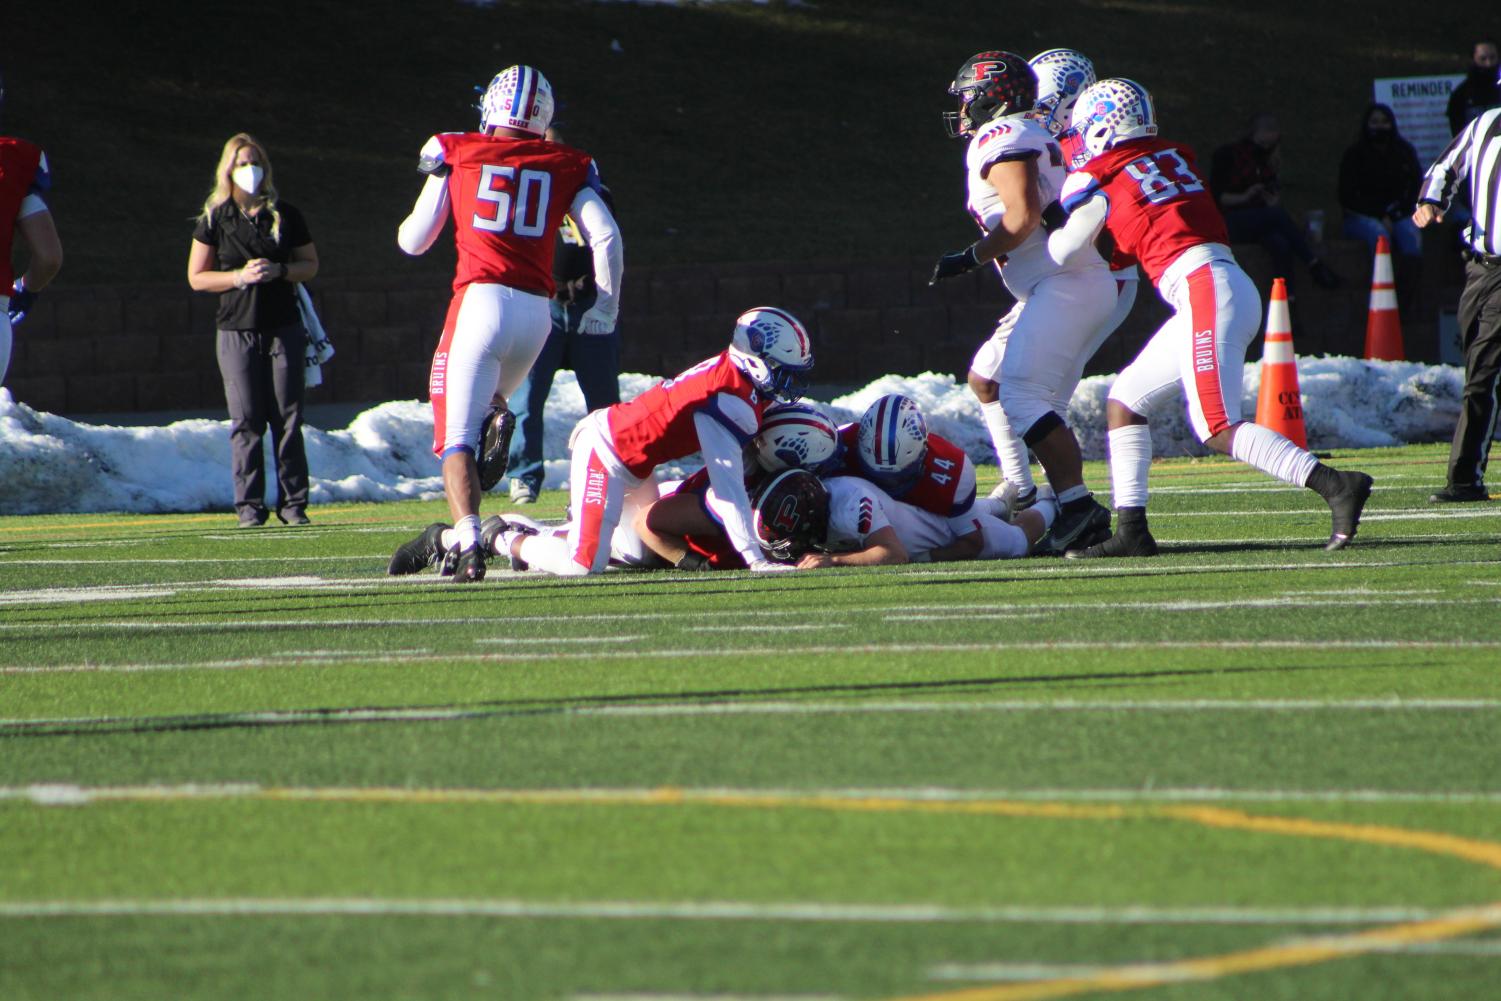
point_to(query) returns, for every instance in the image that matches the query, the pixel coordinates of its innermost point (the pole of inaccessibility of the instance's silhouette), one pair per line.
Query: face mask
(248, 177)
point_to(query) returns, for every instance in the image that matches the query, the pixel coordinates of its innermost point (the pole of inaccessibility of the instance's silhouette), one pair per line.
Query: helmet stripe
(884, 432)
(526, 94)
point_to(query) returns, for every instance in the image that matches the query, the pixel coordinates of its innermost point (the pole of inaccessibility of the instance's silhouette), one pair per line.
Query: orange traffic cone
(1279, 403)
(1383, 327)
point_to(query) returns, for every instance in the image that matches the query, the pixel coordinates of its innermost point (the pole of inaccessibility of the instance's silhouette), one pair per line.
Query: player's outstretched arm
(600, 231)
(729, 502)
(423, 224)
(882, 548)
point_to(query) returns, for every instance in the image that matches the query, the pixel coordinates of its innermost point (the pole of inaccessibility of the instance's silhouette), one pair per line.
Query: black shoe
(252, 518)
(1461, 493)
(1346, 505)
(490, 530)
(469, 568)
(1324, 276)
(1135, 544)
(1078, 519)
(292, 516)
(494, 446)
(418, 554)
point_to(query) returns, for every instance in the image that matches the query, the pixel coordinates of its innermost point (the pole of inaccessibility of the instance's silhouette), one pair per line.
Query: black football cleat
(490, 531)
(494, 446)
(420, 553)
(469, 567)
(1134, 544)
(1079, 519)
(1460, 493)
(1346, 505)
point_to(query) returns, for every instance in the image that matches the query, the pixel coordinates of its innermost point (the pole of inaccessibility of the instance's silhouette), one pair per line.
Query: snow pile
(49, 464)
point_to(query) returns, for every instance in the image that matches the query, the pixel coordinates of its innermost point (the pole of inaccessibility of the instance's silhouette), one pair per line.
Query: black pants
(263, 373)
(1480, 334)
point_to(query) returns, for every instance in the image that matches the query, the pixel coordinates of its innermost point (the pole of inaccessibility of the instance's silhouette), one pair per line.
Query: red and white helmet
(773, 350)
(1062, 74)
(795, 436)
(893, 440)
(519, 97)
(1113, 111)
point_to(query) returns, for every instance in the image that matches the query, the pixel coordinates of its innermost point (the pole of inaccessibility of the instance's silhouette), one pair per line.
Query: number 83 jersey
(1159, 205)
(509, 196)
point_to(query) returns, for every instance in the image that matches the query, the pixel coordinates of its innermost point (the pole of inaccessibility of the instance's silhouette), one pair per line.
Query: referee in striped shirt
(1475, 153)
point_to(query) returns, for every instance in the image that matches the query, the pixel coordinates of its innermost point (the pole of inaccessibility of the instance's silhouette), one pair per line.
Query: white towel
(319, 348)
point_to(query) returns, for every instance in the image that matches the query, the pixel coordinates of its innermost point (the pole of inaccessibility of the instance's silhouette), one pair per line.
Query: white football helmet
(795, 436)
(518, 98)
(893, 441)
(773, 350)
(1113, 111)
(1062, 74)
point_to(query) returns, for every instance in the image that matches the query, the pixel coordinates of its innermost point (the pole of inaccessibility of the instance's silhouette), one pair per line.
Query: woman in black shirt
(251, 247)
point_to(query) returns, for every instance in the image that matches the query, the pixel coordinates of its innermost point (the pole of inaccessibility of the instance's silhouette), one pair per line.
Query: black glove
(957, 263)
(21, 299)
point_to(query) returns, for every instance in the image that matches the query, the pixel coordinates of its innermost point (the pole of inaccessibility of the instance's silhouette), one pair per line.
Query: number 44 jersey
(1159, 203)
(509, 196)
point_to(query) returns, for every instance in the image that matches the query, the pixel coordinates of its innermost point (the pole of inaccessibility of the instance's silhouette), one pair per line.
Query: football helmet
(519, 97)
(773, 350)
(1061, 75)
(1113, 111)
(795, 436)
(790, 514)
(989, 85)
(893, 440)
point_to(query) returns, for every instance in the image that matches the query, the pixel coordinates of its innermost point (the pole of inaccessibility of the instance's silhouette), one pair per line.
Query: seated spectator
(1243, 178)
(1478, 91)
(1379, 177)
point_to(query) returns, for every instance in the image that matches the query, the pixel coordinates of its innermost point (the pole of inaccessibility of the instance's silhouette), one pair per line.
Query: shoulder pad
(431, 160)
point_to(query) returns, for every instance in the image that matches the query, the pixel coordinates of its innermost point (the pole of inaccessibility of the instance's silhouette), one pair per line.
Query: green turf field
(248, 765)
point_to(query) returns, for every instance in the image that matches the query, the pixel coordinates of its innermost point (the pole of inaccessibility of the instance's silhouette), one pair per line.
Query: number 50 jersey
(509, 197)
(1159, 204)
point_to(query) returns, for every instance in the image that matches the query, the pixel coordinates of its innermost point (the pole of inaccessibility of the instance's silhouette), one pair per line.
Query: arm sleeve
(421, 227)
(727, 498)
(1085, 220)
(597, 226)
(1443, 178)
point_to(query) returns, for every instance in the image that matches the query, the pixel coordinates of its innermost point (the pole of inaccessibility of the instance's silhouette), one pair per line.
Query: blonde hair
(223, 189)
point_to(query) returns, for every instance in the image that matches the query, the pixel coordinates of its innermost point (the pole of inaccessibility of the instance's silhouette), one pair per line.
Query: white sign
(1419, 103)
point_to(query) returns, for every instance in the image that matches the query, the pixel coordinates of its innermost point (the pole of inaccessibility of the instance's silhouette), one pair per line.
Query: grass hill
(728, 131)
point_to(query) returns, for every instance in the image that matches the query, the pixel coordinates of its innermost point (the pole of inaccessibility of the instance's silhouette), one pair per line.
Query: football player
(1149, 195)
(1026, 373)
(508, 189)
(864, 526)
(713, 408)
(24, 179)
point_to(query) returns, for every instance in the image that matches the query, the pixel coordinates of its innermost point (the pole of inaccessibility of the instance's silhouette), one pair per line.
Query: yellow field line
(1461, 921)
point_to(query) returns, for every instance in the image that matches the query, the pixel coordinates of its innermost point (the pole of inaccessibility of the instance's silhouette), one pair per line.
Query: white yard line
(714, 911)
(282, 662)
(63, 794)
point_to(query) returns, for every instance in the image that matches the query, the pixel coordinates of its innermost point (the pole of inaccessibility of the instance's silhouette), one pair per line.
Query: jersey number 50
(526, 214)
(1158, 187)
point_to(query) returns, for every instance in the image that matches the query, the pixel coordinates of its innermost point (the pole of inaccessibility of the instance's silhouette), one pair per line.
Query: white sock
(549, 553)
(466, 530)
(1010, 451)
(449, 539)
(1073, 494)
(1273, 454)
(1130, 461)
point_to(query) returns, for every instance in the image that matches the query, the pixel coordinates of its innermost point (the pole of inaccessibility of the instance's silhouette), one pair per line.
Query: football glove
(21, 299)
(596, 321)
(955, 264)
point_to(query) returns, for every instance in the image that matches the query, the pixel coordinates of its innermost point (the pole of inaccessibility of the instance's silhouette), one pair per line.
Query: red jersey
(946, 485)
(714, 547)
(509, 196)
(657, 426)
(19, 161)
(1159, 205)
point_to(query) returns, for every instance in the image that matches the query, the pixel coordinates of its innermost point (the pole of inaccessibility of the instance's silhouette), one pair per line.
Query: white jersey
(1018, 137)
(858, 508)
